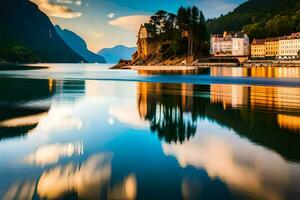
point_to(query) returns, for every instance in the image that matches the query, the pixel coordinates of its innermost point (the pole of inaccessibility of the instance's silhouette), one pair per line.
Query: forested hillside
(260, 18)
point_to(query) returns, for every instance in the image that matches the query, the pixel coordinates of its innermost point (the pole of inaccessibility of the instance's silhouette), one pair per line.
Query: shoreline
(196, 66)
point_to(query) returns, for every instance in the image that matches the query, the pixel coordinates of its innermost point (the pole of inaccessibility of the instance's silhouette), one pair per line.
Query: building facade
(146, 31)
(289, 47)
(230, 44)
(146, 43)
(258, 50)
(272, 47)
(286, 47)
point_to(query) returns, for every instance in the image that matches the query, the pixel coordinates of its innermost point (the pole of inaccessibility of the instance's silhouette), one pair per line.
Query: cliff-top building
(230, 44)
(146, 31)
(145, 43)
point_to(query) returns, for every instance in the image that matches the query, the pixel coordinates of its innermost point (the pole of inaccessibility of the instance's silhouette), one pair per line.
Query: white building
(289, 47)
(230, 44)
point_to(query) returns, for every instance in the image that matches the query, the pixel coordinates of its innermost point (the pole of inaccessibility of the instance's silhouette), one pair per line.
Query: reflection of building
(149, 93)
(229, 95)
(262, 72)
(230, 44)
(276, 99)
(289, 122)
(262, 97)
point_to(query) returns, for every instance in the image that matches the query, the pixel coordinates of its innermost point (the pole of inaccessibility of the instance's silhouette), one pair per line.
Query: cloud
(111, 15)
(98, 34)
(64, 1)
(131, 22)
(51, 153)
(78, 3)
(56, 10)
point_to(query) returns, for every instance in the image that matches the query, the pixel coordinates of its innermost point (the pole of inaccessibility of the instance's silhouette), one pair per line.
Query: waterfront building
(271, 47)
(146, 31)
(258, 50)
(230, 44)
(145, 44)
(289, 47)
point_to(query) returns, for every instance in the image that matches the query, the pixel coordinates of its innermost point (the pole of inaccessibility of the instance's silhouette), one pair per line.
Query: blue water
(65, 133)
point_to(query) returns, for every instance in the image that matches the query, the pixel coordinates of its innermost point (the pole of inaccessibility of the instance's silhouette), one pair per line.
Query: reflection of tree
(173, 110)
(171, 123)
(170, 115)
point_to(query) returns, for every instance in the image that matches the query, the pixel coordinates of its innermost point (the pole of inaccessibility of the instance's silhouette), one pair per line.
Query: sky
(106, 23)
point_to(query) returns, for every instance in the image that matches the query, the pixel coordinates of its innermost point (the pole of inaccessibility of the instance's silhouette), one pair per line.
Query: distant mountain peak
(114, 54)
(78, 44)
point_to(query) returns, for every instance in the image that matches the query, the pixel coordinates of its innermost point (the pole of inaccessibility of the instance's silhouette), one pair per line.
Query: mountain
(113, 55)
(27, 35)
(76, 43)
(260, 18)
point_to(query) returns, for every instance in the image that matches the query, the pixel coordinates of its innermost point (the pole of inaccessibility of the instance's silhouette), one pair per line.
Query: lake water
(86, 132)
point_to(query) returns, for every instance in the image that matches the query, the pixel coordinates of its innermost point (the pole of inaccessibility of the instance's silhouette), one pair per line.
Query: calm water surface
(66, 135)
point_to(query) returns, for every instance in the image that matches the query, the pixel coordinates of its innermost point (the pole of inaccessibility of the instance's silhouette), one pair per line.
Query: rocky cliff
(153, 52)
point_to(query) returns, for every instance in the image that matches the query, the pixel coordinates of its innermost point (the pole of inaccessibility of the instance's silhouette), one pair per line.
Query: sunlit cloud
(128, 114)
(111, 15)
(56, 10)
(240, 164)
(18, 190)
(98, 34)
(131, 22)
(78, 3)
(64, 1)
(86, 180)
(51, 153)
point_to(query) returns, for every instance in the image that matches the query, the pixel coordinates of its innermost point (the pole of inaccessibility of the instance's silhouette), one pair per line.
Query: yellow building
(258, 49)
(272, 47)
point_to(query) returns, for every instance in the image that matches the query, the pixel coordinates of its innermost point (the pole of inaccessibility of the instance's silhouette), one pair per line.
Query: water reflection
(51, 153)
(266, 115)
(86, 181)
(91, 140)
(18, 114)
(224, 155)
(260, 72)
(169, 115)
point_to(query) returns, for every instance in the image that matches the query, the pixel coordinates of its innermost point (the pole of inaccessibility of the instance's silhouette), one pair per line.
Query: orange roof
(258, 42)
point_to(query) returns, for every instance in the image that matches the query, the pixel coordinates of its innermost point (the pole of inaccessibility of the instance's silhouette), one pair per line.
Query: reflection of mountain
(78, 45)
(17, 118)
(266, 115)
